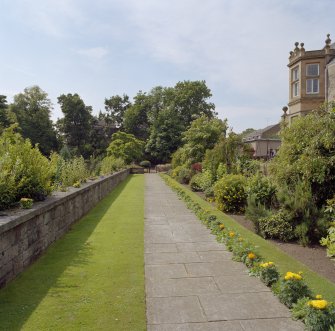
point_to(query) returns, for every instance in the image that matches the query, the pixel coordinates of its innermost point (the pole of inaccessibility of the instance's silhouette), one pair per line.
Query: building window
(295, 81)
(312, 86)
(312, 69)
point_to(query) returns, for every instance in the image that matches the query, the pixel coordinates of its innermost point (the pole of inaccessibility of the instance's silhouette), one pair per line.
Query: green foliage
(110, 165)
(262, 189)
(298, 202)
(269, 274)
(26, 203)
(203, 134)
(69, 172)
(126, 147)
(24, 171)
(32, 109)
(7, 117)
(256, 211)
(181, 174)
(276, 226)
(230, 194)
(145, 164)
(75, 126)
(291, 290)
(165, 135)
(116, 107)
(329, 240)
(221, 171)
(195, 182)
(315, 319)
(307, 153)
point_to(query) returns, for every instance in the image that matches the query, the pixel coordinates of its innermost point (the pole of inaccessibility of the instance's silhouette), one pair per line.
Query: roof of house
(258, 134)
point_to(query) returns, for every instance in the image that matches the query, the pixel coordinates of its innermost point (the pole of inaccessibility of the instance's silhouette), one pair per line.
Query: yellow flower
(266, 264)
(318, 304)
(251, 256)
(240, 239)
(231, 234)
(318, 296)
(291, 275)
(221, 226)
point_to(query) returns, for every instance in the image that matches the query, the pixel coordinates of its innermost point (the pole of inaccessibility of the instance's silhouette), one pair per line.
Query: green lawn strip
(92, 278)
(269, 251)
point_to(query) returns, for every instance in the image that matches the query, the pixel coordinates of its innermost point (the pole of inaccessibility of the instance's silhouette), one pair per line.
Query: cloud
(95, 53)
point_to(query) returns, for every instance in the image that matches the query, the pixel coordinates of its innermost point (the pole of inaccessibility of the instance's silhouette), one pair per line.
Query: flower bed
(290, 288)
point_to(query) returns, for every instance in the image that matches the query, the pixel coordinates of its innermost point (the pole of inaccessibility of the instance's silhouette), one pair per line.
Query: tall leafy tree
(165, 136)
(136, 119)
(32, 109)
(116, 106)
(6, 116)
(75, 126)
(126, 147)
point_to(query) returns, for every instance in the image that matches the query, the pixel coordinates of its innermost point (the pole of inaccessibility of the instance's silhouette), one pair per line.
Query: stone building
(311, 79)
(264, 142)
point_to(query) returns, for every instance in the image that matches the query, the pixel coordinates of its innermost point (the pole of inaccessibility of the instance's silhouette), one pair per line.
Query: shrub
(195, 182)
(262, 189)
(230, 194)
(292, 288)
(71, 171)
(24, 171)
(276, 226)
(329, 241)
(26, 203)
(268, 273)
(255, 211)
(221, 171)
(181, 174)
(145, 164)
(110, 165)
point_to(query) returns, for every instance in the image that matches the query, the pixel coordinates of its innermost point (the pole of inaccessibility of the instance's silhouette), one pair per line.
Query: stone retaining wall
(26, 234)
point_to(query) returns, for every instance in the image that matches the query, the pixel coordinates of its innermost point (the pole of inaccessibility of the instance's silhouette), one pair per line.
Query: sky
(102, 48)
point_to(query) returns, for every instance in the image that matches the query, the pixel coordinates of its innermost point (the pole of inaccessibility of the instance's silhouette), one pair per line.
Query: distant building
(265, 142)
(311, 79)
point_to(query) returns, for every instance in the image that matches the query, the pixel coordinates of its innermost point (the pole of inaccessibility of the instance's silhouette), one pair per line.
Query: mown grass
(269, 251)
(92, 278)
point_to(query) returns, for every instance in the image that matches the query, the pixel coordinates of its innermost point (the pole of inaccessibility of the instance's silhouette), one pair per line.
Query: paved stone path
(191, 281)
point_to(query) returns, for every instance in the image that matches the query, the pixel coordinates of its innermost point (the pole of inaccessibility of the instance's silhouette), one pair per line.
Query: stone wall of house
(331, 81)
(26, 234)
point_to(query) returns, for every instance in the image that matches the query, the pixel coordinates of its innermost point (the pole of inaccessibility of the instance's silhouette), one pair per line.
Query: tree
(76, 123)
(126, 147)
(7, 118)
(307, 154)
(32, 109)
(203, 134)
(136, 117)
(165, 136)
(116, 106)
(190, 100)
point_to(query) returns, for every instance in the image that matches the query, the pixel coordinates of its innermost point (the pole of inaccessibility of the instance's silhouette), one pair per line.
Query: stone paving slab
(191, 281)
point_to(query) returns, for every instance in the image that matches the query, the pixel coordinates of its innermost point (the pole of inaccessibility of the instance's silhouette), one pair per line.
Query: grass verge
(92, 278)
(284, 262)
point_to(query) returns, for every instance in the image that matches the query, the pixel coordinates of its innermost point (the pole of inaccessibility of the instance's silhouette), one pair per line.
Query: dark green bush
(145, 164)
(230, 194)
(276, 226)
(262, 189)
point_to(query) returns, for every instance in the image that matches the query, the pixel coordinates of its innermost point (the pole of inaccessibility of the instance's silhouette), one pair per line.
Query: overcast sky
(105, 47)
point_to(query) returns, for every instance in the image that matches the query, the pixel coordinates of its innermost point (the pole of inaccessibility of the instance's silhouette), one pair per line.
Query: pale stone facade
(311, 79)
(264, 142)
